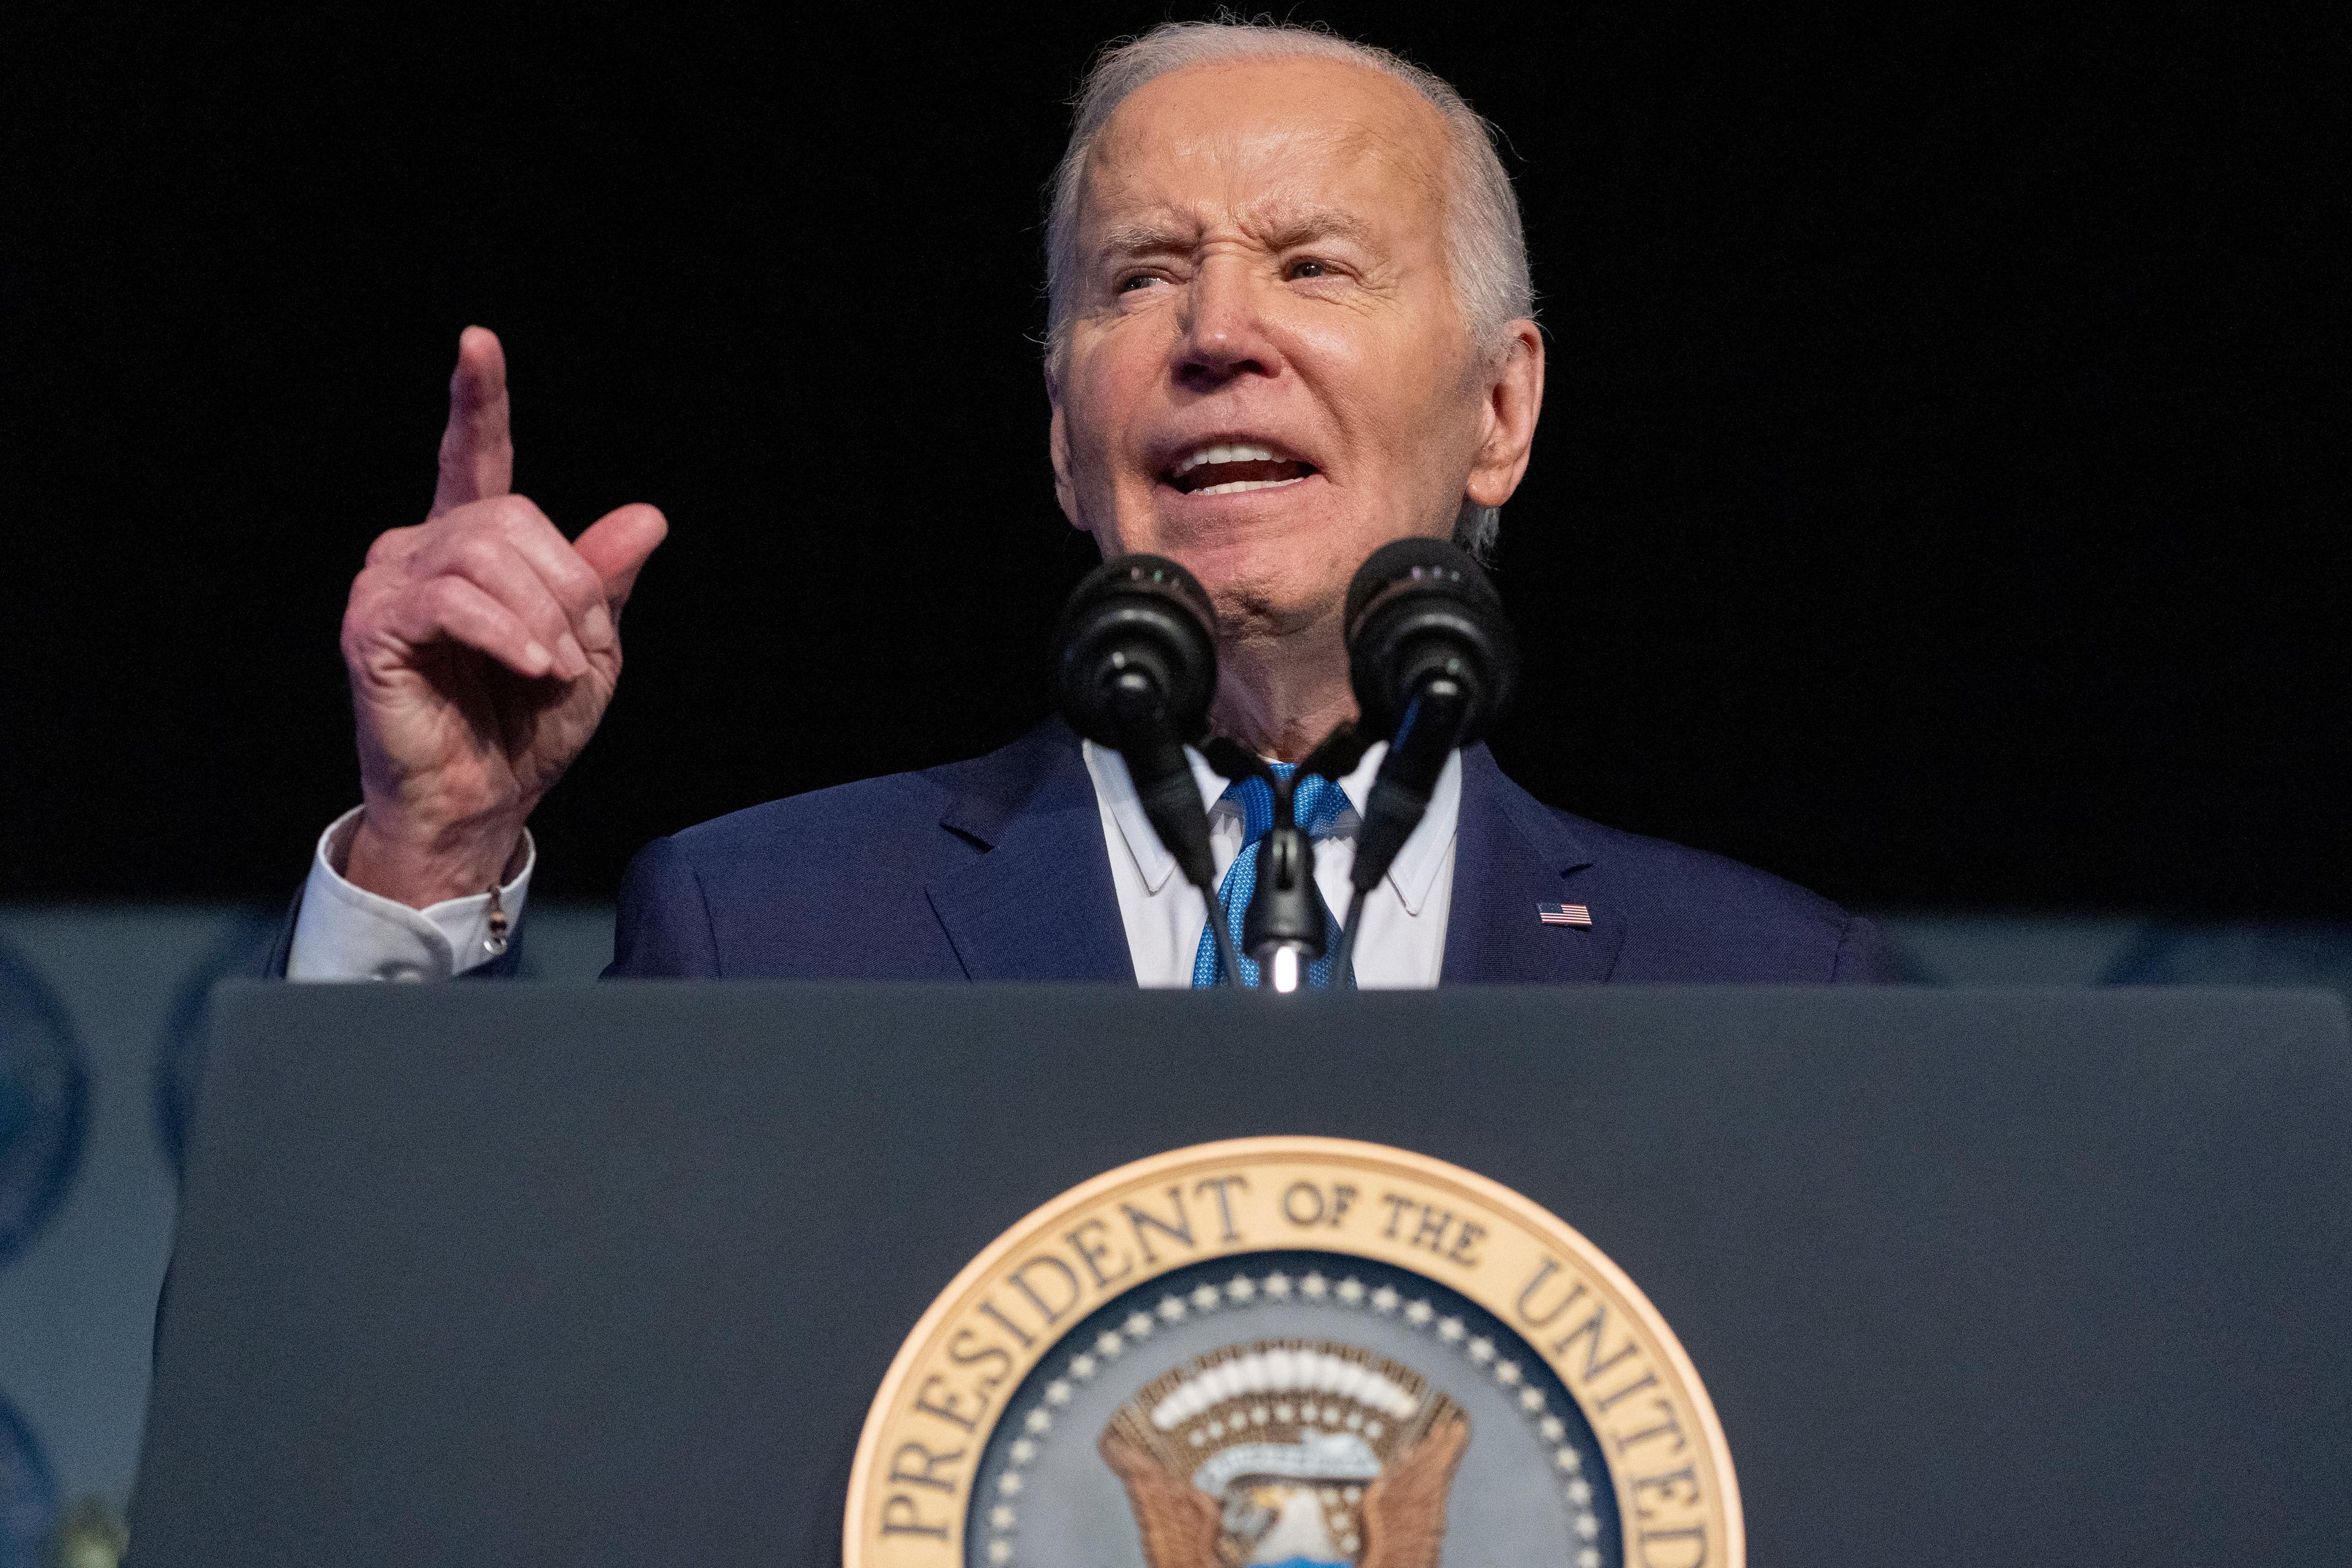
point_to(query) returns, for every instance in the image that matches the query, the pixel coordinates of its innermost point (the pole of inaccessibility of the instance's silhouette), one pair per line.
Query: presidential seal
(1292, 1353)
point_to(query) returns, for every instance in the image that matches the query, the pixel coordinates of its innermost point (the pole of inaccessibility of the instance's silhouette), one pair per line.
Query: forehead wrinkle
(1276, 228)
(1280, 226)
(1148, 236)
(1403, 131)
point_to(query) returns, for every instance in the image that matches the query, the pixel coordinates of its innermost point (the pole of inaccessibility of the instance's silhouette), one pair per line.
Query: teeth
(1234, 486)
(1225, 455)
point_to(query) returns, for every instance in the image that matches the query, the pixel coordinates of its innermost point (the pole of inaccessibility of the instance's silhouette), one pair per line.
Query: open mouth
(1223, 470)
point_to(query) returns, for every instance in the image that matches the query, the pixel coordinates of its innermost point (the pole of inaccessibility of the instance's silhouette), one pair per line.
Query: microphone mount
(1135, 665)
(1286, 927)
(1433, 660)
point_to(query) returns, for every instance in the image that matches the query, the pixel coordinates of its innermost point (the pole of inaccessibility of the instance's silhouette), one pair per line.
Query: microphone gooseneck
(1134, 668)
(1282, 928)
(1433, 660)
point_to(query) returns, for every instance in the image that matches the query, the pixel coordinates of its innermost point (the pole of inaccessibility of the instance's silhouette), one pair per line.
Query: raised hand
(482, 648)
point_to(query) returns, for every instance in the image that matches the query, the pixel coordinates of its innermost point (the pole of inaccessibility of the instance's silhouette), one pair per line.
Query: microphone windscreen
(1419, 608)
(1136, 615)
(1152, 575)
(1402, 560)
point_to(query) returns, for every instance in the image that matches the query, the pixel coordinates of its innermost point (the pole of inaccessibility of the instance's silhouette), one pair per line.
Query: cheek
(1396, 389)
(1106, 387)
(1437, 418)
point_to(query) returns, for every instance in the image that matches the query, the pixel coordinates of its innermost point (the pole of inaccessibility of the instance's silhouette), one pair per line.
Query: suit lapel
(1510, 854)
(1038, 903)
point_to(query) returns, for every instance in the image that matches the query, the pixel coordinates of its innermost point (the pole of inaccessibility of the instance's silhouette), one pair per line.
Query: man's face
(1266, 373)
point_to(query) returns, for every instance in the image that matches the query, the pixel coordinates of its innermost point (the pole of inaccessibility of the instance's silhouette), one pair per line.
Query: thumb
(616, 544)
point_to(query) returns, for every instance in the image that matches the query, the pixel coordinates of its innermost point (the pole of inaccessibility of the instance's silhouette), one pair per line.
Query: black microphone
(1432, 658)
(1135, 666)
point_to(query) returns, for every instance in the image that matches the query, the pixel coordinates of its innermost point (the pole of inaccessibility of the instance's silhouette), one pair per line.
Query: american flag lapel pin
(1564, 914)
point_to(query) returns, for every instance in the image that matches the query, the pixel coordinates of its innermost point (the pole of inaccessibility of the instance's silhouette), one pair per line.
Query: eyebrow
(1303, 227)
(1145, 239)
(1280, 232)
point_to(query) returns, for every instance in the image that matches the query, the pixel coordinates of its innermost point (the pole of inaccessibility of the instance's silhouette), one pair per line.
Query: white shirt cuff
(345, 932)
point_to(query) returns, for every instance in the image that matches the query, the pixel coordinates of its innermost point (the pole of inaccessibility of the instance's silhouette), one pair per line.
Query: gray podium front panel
(576, 1275)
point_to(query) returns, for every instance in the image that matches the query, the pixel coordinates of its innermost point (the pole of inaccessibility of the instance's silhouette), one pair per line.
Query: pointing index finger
(478, 447)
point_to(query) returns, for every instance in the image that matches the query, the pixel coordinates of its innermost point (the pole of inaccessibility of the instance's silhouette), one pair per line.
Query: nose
(1224, 329)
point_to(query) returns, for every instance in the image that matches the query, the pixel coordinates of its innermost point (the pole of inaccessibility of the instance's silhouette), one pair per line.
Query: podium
(610, 1274)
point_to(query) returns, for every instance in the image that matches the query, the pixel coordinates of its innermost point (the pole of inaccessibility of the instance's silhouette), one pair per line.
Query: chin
(1265, 591)
(1274, 562)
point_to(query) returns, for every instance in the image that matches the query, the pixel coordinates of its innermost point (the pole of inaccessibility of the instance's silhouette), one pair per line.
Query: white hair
(1485, 249)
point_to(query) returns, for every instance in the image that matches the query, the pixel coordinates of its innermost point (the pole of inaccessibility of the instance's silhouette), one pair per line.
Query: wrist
(423, 867)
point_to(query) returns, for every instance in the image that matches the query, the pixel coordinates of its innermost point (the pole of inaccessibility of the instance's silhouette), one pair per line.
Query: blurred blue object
(2238, 955)
(180, 1049)
(44, 1103)
(28, 1495)
(1965, 949)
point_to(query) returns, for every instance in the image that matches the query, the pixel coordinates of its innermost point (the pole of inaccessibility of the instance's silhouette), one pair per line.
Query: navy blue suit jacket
(996, 869)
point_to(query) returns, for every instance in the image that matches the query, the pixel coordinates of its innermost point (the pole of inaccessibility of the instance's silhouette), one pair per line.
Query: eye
(1138, 282)
(1308, 267)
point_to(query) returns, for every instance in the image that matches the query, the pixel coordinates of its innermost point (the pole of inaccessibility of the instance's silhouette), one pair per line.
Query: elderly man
(1289, 323)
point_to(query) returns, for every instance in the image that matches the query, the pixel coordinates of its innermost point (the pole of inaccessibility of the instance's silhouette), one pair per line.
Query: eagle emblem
(1288, 1454)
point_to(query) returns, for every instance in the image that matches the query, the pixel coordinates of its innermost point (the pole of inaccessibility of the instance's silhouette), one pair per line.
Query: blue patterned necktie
(1316, 807)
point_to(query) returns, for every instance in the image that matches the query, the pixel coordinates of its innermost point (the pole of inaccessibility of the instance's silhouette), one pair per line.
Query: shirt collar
(1412, 874)
(1114, 787)
(1415, 870)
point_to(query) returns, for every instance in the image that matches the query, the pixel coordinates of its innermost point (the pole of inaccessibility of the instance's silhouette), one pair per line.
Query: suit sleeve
(662, 927)
(273, 962)
(1862, 958)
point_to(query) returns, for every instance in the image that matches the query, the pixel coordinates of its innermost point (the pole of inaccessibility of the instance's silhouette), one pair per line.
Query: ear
(1513, 397)
(1057, 444)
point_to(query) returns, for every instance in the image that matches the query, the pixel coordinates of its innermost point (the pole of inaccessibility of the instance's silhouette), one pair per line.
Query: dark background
(1939, 498)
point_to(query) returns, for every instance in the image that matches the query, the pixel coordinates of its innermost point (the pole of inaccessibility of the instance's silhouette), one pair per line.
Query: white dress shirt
(1403, 945)
(345, 932)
